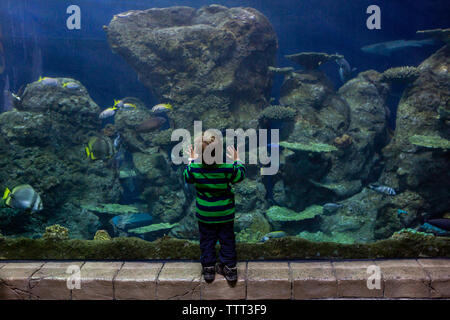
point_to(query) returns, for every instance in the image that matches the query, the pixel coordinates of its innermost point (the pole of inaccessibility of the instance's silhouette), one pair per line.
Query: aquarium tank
(340, 110)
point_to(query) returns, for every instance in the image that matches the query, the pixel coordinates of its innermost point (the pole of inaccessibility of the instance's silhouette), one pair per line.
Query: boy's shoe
(229, 273)
(209, 273)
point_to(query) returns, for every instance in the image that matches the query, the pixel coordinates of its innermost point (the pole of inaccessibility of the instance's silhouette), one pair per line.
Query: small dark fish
(151, 124)
(383, 189)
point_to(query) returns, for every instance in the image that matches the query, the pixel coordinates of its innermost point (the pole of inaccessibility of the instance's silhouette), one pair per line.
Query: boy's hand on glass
(191, 153)
(233, 153)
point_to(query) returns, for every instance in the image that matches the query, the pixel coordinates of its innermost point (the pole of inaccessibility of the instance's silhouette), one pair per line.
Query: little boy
(215, 208)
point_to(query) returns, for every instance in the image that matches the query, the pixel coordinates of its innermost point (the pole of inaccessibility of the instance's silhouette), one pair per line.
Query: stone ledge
(412, 279)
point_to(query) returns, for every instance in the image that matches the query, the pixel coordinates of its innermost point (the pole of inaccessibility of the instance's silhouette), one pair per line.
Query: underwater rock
(210, 64)
(249, 195)
(43, 144)
(312, 60)
(56, 232)
(280, 214)
(105, 212)
(417, 157)
(277, 113)
(102, 235)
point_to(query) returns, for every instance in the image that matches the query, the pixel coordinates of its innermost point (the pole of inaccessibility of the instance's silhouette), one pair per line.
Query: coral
(308, 147)
(150, 231)
(343, 141)
(433, 142)
(312, 60)
(277, 113)
(56, 232)
(280, 214)
(401, 74)
(102, 235)
(440, 34)
(283, 71)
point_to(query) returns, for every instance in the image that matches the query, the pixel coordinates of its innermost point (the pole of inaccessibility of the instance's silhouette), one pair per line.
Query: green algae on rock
(308, 147)
(280, 214)
(153, 228)
(312, 60)
(433, 142)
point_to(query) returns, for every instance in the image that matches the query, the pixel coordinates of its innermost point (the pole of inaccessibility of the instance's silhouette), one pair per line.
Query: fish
(400, 211)
(128, 106)
(107, 113)
(46, 81)
(273, 235)
(442, 223)
(383, 189)
(131, 221)
(386, 48)
(23, 197)
(71, 85)
(162, 107)
(117, 141)
(345, 71)
(331, 207)
(151, 124)
(99, 148)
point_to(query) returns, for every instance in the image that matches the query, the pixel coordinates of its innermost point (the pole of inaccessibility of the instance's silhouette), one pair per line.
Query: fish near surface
(386, 48)
(151, 124)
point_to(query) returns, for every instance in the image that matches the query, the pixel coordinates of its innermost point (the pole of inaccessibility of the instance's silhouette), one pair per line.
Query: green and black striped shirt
(215, 198)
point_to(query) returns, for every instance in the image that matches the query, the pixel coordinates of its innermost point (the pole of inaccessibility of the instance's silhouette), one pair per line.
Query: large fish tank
(360, 95)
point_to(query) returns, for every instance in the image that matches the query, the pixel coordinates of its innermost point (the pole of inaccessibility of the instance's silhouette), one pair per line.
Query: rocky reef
(42, 143)
(211, 63)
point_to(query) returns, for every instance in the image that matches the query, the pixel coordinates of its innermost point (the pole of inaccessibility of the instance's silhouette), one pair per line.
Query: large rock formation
(42, 144)
(417, 159)
(211, 63)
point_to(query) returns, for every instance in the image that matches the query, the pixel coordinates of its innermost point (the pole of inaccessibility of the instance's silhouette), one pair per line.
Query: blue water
(305, 25)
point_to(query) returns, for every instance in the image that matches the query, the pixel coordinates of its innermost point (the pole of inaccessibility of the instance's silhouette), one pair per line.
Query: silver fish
(345, 71)
(383, 189)
(386, 48)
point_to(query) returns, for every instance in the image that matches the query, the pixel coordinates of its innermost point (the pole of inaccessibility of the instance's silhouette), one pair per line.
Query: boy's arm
(188, 177)
(238, 172)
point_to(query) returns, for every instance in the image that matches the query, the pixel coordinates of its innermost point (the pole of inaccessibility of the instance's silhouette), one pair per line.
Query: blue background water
(303, 25)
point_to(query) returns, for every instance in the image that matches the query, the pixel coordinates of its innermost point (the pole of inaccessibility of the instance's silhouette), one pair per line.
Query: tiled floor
(413, 278)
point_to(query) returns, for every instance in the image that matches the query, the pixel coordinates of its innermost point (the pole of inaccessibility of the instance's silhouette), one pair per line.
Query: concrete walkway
(392, 279)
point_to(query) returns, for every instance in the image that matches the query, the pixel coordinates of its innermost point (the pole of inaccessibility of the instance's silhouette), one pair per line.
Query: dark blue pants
(209, 234)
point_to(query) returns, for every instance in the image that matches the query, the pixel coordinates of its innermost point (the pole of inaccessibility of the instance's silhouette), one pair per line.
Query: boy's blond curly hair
(208, 141)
